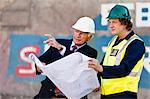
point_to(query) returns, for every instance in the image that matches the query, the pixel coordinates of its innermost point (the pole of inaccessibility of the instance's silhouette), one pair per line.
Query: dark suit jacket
(51, 55)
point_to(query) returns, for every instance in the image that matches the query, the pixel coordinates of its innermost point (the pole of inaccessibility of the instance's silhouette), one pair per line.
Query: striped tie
(74, 47)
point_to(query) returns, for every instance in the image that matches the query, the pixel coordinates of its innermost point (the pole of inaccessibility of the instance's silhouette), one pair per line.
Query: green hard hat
(119, 11)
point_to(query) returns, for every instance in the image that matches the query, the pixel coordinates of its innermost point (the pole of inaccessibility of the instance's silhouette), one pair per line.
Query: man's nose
(78, 34)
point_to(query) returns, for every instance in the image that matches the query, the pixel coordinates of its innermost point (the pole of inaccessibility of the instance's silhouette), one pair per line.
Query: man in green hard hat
(121, 67)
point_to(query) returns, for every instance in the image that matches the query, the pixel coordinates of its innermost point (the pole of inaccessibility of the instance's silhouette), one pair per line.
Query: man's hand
(93, 63)
(38, 69)
(96, 89)
(52, 42)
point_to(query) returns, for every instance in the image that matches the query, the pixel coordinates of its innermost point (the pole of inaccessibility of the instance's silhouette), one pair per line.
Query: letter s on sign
(29, 70)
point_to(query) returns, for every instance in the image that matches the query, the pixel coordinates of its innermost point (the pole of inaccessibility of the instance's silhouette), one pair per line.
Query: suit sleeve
(51, 55)
(89, 51)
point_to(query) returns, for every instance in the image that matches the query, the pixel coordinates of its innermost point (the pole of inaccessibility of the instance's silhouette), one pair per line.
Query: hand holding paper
(71, 75)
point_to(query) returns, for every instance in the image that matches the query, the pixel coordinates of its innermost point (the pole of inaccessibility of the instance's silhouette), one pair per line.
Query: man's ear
(90, 36)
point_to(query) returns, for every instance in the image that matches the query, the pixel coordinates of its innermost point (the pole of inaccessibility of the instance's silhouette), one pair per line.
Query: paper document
(71, 75)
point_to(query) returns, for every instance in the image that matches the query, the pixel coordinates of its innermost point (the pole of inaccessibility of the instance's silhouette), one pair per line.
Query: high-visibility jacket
(127, 83)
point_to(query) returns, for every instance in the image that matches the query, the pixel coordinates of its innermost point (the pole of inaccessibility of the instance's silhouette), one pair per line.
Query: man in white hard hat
(84, 29)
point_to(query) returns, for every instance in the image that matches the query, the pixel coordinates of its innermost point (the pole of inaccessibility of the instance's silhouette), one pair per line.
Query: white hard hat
(85, 24)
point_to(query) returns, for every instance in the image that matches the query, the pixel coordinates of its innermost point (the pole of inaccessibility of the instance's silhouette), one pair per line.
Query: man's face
(80, 37)
(115, 27)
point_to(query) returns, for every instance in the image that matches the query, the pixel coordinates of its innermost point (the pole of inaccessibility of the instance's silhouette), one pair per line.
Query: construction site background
(38, 17)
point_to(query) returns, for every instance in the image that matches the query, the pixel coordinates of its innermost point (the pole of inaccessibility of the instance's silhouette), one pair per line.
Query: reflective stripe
(118, 57)
(130, 40)
(136, 74)
(127, 83)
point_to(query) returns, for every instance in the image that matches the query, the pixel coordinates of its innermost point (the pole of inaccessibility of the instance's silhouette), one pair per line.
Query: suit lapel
(82, 49)
(68, 44)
